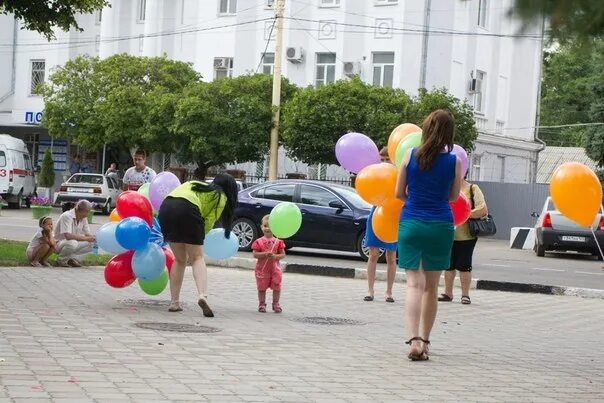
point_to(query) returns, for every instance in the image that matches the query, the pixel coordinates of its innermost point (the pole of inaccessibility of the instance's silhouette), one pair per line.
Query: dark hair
(141, 152)
(384, 152)
(225, 184)
(42, 220)
(438, 131)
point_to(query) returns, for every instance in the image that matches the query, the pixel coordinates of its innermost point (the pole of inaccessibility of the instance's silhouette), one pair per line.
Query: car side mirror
(337, 205)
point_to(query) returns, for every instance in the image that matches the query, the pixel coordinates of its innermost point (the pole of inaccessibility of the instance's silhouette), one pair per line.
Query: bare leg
(466, 279)
(449, 280)
(41, 253)
(177, 273)
(371, 268)
(416, 283)
(429, 303)
(391, 271)
(261, 297)
(44, 259)
(276, 296)
(200, 274)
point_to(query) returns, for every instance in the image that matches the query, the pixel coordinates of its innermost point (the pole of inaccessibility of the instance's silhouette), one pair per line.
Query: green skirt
(425, 244)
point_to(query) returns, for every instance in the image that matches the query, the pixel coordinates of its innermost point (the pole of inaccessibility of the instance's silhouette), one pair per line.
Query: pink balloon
(161, 186)
(462, 155)
(355, 151)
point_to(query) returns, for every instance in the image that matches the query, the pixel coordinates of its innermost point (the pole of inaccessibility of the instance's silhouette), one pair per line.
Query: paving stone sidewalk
(67, 336)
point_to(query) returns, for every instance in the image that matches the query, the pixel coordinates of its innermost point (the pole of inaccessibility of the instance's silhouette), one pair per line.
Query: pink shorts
(266, 279)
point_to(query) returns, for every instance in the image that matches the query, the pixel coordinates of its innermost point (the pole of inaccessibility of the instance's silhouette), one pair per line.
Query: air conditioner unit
(475, 85)
(352, 69)
(221, 63)
(294, 54)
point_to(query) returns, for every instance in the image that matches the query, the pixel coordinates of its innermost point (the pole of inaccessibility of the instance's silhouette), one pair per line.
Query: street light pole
(276, 108)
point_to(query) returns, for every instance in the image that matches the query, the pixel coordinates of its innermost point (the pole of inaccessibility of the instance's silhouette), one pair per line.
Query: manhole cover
(327, 320)
(176, 327)
(146, 302)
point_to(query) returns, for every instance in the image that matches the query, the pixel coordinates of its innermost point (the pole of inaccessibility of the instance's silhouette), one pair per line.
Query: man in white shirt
(138, 174)
(73, 236)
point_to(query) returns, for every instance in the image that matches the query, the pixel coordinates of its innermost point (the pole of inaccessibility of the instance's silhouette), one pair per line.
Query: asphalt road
(493, 260)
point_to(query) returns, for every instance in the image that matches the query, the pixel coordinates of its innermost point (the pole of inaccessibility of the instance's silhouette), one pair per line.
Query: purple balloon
(461, 154)
(355, 151)
(161, 186)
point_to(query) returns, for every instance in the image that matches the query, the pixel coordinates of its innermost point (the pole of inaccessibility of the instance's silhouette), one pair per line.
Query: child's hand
(269, 254)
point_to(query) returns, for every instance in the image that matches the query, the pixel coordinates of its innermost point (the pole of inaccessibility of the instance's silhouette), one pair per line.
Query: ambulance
(17, 180)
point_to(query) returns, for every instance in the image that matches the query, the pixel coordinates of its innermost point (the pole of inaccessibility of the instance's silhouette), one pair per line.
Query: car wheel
(19, 203)
(364, 251)
(539, 250)
(246, 231)
(107, 208)
(598, 255)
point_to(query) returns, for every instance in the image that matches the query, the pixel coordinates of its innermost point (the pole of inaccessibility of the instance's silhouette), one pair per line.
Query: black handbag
(480, 227)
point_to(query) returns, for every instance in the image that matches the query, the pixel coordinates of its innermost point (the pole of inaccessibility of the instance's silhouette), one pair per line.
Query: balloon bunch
(134, 235)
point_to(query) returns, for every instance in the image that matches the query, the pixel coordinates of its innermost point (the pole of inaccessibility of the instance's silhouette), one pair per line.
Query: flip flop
(368, 298)
(465, 300)
(445, 298)
(389, 299)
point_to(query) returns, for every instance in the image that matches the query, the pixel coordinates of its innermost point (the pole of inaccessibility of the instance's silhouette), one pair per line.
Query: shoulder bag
(480, 227)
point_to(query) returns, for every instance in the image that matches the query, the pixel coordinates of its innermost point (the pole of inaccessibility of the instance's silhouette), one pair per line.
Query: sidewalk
(67, 336)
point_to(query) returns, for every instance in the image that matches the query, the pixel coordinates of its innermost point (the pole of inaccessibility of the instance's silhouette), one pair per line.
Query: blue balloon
(156, 235)
(106, 239)
(217, 246)
(133, 233)
(149, 263)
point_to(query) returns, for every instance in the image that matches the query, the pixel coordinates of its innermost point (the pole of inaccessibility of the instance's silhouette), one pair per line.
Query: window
(98, 16)
(329, 3)
(326, 69)
(482, 13)
(142, 5)
(480, 90)
(38, 72)
(2, 159)
(316, 196)
(383, 69)
(501, 167)
(227, 7)
(270, 3)
(27, 162)
(223, 67)
(475, 168)
(268, 63)
(277, 192)
(385, 2)
(351, 196)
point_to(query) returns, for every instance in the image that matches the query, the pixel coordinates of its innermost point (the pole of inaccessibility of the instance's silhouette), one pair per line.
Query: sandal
(205, 308)
(277, 307)
(262, 308)
(368, 298)
(445, 298)
(419, 354)
(389, 299)
(465, 300)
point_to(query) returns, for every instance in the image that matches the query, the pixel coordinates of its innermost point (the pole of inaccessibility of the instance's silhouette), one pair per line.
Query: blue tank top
(428, 191)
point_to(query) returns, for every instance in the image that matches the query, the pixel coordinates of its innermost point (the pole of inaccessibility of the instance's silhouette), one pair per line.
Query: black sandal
(389, 299)
(445, 298)
(465, 300)
(421, 355)
(368, 298)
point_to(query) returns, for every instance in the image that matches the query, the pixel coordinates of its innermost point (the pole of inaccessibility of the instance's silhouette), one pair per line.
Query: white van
(17, 180)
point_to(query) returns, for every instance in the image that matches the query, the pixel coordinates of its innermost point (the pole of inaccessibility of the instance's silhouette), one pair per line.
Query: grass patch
(12, 253)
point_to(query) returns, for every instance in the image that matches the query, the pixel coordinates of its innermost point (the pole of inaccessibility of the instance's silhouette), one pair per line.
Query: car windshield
(352, 196)
(92, 179)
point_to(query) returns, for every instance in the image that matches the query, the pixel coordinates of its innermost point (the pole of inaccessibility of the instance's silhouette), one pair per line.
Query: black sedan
(333, 216)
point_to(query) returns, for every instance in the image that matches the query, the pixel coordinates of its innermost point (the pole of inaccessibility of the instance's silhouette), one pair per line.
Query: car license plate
(573, 238)
(79, 190)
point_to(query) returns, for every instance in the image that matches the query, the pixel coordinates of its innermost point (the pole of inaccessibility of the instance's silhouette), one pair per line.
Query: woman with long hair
(429, 178)
(186, 216)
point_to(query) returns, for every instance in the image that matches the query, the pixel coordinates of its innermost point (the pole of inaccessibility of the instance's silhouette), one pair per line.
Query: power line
(268, 41)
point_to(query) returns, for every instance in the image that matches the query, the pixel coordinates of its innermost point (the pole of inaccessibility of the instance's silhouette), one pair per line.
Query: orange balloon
(393, 205)
(577, 192)
(385, 224)
(397, 135)
(114, 216)
(376, 183)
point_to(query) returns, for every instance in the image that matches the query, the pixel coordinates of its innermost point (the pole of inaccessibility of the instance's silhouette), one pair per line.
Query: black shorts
(181, 221)
(461, 255)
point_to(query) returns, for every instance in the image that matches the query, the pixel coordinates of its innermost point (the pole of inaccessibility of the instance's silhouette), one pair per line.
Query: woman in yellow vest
(186, 216)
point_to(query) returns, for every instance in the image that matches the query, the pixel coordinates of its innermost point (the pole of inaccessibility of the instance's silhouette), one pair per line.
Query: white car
(96, 188)
(556, 233)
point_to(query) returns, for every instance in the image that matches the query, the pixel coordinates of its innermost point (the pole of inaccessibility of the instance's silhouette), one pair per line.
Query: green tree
(315, 119)
(122, 100)
(594, 135)
(43, 15)
(225, 120)
(46, 178)
(576, 19)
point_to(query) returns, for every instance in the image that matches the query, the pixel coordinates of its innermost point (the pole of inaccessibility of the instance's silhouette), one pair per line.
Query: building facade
(474, 48)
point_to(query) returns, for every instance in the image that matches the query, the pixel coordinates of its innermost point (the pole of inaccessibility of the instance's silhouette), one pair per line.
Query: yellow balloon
(114, 216)
(576, 192)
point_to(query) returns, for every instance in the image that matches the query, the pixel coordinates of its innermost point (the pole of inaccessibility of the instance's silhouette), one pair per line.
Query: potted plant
(40, 206)
(46, 177)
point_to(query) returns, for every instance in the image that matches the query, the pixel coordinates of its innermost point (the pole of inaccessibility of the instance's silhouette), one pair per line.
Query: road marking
(545, 269)
(496, 265)
(587, 272)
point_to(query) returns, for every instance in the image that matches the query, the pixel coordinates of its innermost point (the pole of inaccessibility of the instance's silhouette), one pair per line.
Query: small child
(42, 245)
(268, 250)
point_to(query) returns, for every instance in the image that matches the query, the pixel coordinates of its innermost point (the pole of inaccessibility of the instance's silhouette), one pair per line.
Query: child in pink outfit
(268, 250)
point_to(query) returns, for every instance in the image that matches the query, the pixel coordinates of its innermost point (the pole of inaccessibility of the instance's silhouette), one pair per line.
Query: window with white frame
(329, 3)
(483, 9)
(223, 67)
(385, 2)
(383, 69)
(268, 63)
(38, 74)
(475, 168)
(326, 69)
(480, 91)
(227, 6)
(142, 5)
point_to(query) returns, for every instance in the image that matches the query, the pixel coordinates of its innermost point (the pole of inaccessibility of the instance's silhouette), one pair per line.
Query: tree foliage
(43, 15)
(594, 135)
(122, 100)
(226, 120)
(46, 178)
(315, 119)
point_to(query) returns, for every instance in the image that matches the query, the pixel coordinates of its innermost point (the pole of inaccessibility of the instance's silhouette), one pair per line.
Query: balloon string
(271, 251)
(597, 243)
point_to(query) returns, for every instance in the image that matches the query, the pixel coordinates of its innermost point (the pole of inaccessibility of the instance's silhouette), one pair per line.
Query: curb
(361, 273)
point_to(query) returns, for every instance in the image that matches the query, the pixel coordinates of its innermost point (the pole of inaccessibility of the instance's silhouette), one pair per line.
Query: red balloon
(118, 271)
(134, 204)
(169, 258)
(461, 210)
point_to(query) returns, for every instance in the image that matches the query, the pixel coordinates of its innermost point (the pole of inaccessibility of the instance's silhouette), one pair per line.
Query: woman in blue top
(429, 178)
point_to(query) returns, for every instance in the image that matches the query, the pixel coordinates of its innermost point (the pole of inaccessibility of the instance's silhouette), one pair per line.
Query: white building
(474, 48)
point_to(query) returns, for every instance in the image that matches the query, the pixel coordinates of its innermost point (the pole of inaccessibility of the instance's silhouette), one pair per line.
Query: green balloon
(144, 190)
(285, 220)
(156, 286)
(410, 141)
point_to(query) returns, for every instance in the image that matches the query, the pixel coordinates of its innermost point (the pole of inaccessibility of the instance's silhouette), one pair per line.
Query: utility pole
(274, 148)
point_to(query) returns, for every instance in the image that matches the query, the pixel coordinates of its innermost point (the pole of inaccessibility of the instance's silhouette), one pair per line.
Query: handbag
(480, 227)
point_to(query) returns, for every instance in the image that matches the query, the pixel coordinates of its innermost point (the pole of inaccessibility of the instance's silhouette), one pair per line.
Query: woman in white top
(42, 245)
